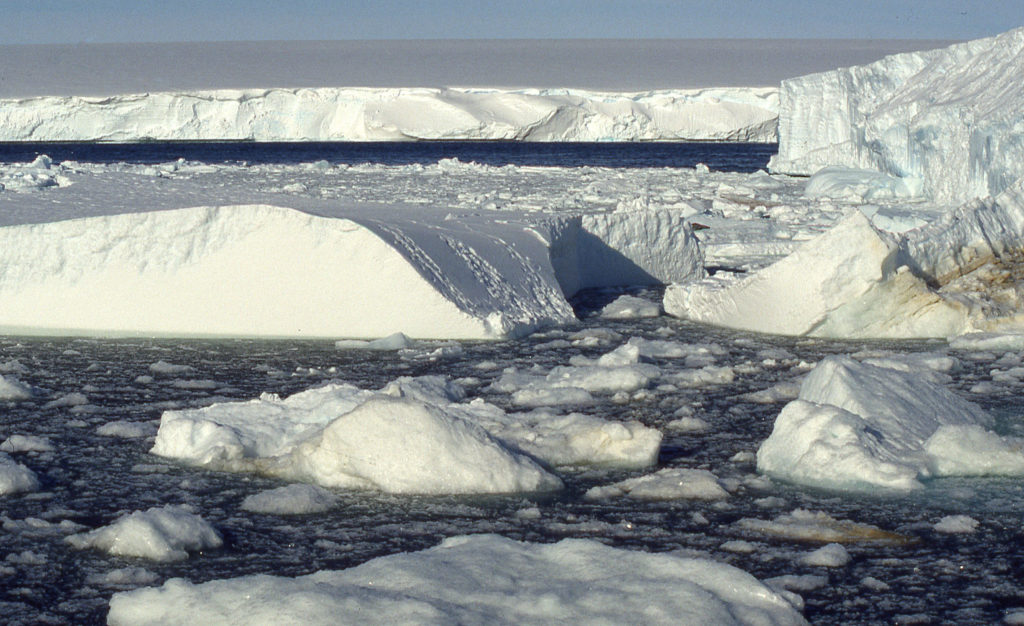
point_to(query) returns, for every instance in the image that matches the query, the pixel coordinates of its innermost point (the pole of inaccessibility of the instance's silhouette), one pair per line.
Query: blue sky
(73, 21)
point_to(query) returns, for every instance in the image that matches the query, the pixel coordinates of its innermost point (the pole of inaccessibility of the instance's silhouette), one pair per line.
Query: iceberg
(459, 582)
(320, 270)
(396, 114)
(860, 427)
(946, 120)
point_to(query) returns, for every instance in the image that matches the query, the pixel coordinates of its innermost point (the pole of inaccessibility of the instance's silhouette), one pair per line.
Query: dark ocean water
(736, 157)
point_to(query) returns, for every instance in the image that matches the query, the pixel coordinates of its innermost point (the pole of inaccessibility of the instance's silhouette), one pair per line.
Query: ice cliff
(264, 270)
(948, 120)
(389, 114)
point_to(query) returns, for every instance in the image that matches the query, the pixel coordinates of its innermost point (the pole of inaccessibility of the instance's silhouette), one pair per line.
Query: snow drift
(947, 120)
(379, 114)
(458, 582)
(261, 270)
(858, 426)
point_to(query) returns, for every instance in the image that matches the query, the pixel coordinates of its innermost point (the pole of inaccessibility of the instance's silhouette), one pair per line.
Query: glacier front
(946, 120)
(395, 114)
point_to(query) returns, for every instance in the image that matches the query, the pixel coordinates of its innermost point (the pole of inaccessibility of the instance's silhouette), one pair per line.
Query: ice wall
(262, 270)
(949, 117)
(389, 114)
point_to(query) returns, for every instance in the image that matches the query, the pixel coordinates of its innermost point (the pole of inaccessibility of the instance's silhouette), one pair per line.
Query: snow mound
(231, 270)
(165, 533)
(945, 120)
(858, 427)
(457, 582)
(374, 114)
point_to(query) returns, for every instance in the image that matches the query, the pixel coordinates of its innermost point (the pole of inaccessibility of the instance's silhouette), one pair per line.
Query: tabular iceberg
(378, 114)
(948, 119)
(323, 270)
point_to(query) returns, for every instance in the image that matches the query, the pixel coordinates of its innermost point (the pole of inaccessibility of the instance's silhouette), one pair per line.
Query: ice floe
(457, 581)
(859, 426)
(15, 477)
(166, 533)
(666, 484)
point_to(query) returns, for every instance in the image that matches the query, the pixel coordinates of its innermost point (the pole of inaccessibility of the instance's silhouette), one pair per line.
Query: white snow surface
(173, 263)
(414, 436)
(944, 120)
(166, 533)
(15, 477)
(857, 426)
(367, 114)
(459, 582)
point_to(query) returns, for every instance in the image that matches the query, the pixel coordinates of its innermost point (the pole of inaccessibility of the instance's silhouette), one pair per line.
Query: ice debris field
(687, 427)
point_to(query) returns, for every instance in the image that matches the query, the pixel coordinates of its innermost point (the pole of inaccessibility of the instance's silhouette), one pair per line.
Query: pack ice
(946, 121)
(858, 426)
(392, 114)
(477, 579)
(314, 269)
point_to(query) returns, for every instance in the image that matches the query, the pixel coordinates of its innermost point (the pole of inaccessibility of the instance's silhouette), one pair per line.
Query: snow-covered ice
(946, 121)
(294, 499)
(457, 581)
(166, 533)
(665, 484)
(15, 477)
(860, 427)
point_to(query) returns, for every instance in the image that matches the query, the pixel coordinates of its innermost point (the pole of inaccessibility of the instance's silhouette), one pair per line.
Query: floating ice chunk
(67, 400)
(858, 426)
(13, 389)
(540, 395)
(456, 583)
(630, 307)
(296, 499)
(978, 342)
(571, 440)
(123, 577)
(26, 443)
(165, 533)
(396, 341)
(13, 366)
(831, 555)
(431, 389)
(688, 425)
(15, 477)
(846, 282)
(670, 483)
(126, 429)
(804, 525)
(400, 445)
(170, 369)
(956, 524)
(704, 377)
(603, 378)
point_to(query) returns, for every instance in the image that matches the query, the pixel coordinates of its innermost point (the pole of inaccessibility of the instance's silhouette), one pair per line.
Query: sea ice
(830, 555)
(13, 389)
(670, 483)
(296, 499)
(459, 582)
(956, 524)
(26, 443)
(804, 525)
(165, 533)
(630, 307)
(15, 477)
(857, 426)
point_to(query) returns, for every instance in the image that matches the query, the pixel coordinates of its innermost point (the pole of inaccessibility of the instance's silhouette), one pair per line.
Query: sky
(105, 21)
